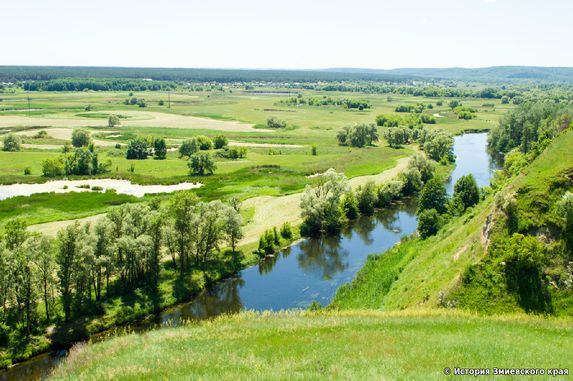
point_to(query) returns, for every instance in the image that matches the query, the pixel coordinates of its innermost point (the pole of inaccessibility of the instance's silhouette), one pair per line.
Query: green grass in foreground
(335, 346)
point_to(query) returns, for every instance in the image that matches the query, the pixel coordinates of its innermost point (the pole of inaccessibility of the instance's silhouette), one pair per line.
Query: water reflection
(324, 257)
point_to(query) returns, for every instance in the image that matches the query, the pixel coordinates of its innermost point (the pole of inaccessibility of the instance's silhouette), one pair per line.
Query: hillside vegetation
(317, 346)
(509, 253)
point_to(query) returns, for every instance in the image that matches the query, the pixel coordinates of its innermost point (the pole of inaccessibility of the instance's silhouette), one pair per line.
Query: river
(310, 270)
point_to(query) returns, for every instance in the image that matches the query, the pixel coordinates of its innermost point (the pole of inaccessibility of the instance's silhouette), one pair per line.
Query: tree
(397, 136)
(367, 198)
(113, 120)
(350, 205)
(138, 149)
(46, 264)
(67, 257)
(80, 138)
(411, 181)
(428, 223)
(358, 136)
(440, 147)
(201, 164)
(233, 222)
(467, 191)
(422, 164)
(433, 196)
(565, 212)
(12, 143)
(321, 204)
(159, 149)
(220, 141)
(274, 122)
(189, 147)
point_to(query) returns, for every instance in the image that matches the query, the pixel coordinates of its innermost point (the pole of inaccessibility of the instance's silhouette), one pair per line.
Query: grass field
(355, 345)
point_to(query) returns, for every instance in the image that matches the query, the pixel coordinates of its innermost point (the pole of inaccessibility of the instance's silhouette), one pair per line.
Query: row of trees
(358, 136)
(360, 104)
(80, 162)
(141, 148)
(71, 275)
(530, 127)
(328, 204)
(435, 207)
(202, 143)
(438, 145)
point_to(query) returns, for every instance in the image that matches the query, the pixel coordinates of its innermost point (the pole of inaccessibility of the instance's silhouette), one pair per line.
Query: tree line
(52, 281)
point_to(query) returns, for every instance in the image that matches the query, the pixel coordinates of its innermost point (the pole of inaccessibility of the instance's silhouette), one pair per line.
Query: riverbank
(172, 291)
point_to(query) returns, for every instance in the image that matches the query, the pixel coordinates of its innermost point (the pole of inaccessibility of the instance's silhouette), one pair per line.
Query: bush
(388, 192)
(204, 142)
(27, 171)
(313, 150)
(53, 167)
(350, 205)
(188, 147)
(80, 138)
(113, 120)
(358, 136)
(428, 223)
(273, 122)
(286, 231)
(411, 180)
(201, 164)
(159, 149)
(138, 149)
(433, 196)
(397, 136)
(367, 198)
(388, 120)
(12, 143)
(467, 190)
(220, 141)
(233, 153)
(42, 134)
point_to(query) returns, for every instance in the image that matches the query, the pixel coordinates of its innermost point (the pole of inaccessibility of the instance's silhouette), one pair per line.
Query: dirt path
(64, 134)
(264, 145)
(139, 119)
(269, 211)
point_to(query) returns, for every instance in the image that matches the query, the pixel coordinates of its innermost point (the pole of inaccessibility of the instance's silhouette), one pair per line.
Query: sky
(287, 34)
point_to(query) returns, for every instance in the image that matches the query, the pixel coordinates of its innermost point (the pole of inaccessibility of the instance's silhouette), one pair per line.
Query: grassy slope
(414, 273)
(340, 346)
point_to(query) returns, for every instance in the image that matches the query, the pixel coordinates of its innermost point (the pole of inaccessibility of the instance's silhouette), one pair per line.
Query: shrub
(367, 198)
(80, 138)
(358, 136)
(350, 205)
(12, 143)
(273, 122)
(188, 147)
(41, 134)
(138, 149)
(467, 190)
(53, 167)
(204, 142)
(159, 149)
(286, 231)
(201, 164)
(220, 141)
(113, 120)
(388, 192)
(313, 150)
(27, 171)
(388, 120)
(412, 181)
(428, 223)
(433, 196)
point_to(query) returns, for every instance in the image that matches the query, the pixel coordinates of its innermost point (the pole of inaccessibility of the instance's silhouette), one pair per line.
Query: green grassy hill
(316, 346)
